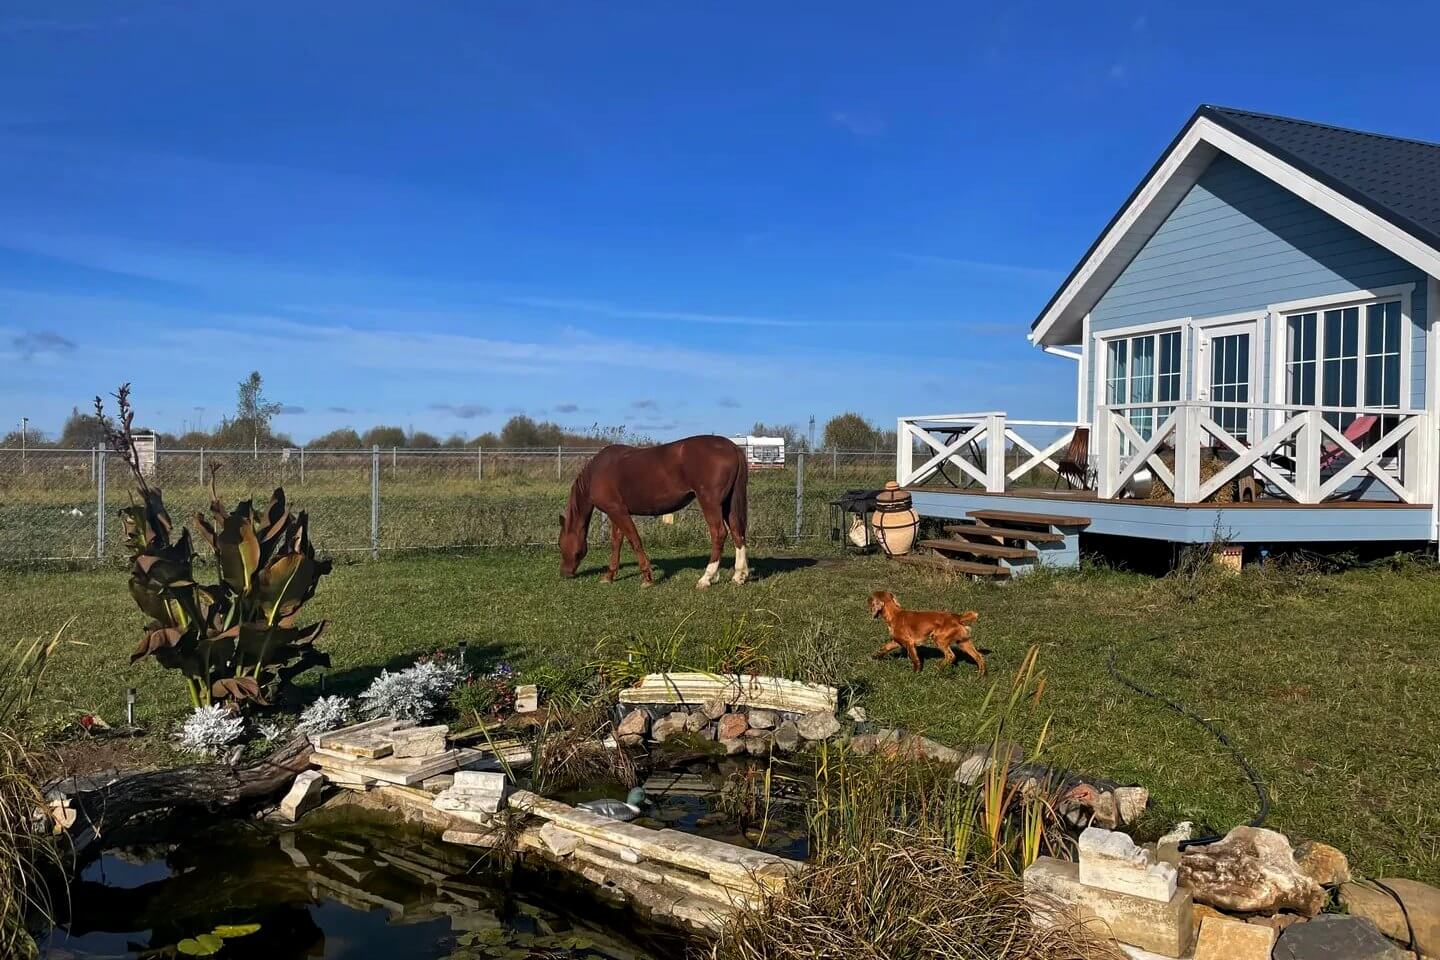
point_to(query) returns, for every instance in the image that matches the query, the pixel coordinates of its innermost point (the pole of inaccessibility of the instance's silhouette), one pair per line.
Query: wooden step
(1036, 519)
(980, 549)
(1004, 533)
(936, 562)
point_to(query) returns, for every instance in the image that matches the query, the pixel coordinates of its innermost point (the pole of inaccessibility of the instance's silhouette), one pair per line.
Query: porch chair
(1073, 466)
(1357, 430)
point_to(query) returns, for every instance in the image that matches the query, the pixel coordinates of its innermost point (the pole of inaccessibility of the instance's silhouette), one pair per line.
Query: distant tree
(194, 440)
(850, 431)
(794, 439)
(343, 439)
(30, 438)
(486, 439)
(420, 440)
(253, 411)
(81, 431)
(454, 442)
(383, 436)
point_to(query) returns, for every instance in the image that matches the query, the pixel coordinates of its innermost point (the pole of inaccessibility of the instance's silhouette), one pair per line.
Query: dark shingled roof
(1394, 178)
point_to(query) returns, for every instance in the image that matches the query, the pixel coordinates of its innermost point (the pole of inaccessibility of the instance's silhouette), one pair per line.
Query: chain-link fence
(62, 504)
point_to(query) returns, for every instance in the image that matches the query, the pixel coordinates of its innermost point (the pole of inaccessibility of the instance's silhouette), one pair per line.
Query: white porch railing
(986, 438)
(1296, 451)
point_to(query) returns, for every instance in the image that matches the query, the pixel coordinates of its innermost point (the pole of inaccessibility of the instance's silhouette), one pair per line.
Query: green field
(1326, 681)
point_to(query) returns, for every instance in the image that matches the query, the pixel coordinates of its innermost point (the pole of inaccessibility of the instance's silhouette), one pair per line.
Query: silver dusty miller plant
(416, 693)
(211, 728)
(324, 715)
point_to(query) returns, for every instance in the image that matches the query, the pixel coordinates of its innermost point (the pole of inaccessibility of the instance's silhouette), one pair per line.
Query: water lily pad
(229, 931)
(204, 945)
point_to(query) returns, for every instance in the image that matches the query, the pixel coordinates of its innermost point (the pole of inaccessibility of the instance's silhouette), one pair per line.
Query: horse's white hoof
(740, 577)
(645, 583)
(702, 584)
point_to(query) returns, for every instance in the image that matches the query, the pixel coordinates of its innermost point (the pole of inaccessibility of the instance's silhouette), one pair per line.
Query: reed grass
(907, 861)
(23, 847)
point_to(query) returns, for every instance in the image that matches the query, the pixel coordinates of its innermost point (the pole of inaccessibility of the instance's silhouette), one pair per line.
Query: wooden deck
(1266, 521)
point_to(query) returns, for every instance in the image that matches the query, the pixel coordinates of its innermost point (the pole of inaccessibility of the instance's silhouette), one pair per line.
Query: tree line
(252, 425)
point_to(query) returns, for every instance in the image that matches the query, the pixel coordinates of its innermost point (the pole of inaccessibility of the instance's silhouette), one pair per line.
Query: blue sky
(678, 217)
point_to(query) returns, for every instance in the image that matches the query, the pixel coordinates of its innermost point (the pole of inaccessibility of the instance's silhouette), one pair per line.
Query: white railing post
(1307, 457)
(995, 454)
(1109, 467)
(904, 452)
(1187, 453)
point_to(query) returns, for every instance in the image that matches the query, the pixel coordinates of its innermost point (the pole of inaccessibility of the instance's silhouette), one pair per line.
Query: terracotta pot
(895, 520)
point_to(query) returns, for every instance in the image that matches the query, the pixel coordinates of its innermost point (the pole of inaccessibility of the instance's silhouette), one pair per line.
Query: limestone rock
(1336, 937)
(733, 746)
(305, 794)
(1224, 939)
(1422, 905)
(857, 714)
(527, 698)
(630, 740)
(1322, 863)
(419, 741)
(732, 726)
(820, 725)
(1112, 861)
(787, 736)
(763, 719)
(558, 840)
(696, 722)
(636, 723)
(714, 708)
(1130, 803)
(1252, 870)
(1057, 897)
(759, 744)
(668, 725)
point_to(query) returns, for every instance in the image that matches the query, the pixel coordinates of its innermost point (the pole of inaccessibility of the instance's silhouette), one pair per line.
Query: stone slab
(1334, 936)
(1225, 939)
(305, 794)
(1112, 861)
(404, 771)
(1056, 895)
(419, 741)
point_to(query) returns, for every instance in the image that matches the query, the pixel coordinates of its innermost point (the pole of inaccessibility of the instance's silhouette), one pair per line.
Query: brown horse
(626, 481)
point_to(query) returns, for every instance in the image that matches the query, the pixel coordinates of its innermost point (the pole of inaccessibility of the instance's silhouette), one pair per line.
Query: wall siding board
(1238, 242)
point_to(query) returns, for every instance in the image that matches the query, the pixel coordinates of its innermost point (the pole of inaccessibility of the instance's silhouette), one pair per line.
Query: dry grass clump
(22, 847)
(907, 899)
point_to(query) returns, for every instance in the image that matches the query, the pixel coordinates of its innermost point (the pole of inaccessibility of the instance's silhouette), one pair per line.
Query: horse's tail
(739, 512)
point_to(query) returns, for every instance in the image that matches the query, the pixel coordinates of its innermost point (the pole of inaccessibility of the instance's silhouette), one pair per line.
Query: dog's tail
(969, 616)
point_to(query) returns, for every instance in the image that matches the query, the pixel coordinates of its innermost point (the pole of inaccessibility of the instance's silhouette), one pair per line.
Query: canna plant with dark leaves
(237, 640)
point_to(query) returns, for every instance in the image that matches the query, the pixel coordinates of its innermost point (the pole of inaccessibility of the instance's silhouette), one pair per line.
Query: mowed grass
(1328, 682)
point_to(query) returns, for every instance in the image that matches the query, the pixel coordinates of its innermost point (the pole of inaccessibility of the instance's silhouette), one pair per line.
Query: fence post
(799, 492)
(302, 466)
(558, 451)
(479, 462)
(375, 502)
(202, 465)
(99, 504)
(833, 463)
(394, 458)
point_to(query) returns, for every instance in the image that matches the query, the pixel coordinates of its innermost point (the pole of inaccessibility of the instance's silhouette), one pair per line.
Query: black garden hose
(1261, 794)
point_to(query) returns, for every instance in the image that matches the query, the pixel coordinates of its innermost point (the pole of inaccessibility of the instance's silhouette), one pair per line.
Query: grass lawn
(1328, 682)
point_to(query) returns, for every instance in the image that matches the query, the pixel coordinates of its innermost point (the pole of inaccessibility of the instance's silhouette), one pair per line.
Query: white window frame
(1100, 347)
(1280, 314)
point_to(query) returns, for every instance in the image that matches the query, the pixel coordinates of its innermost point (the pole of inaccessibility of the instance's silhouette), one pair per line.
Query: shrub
(235, 640)
(416, 693)
(488, 695)
(210, 729)
(324, 715)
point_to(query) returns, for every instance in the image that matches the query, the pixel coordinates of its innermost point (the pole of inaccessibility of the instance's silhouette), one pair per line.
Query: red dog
(910, 628)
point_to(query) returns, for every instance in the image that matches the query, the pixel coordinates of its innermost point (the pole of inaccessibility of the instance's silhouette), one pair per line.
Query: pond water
(745, 802)
(352, 885)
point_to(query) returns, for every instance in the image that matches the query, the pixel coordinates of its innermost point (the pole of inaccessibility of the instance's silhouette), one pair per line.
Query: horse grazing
(626, 481)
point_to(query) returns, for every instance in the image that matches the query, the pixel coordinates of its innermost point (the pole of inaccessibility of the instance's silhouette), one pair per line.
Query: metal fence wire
(63, 504)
